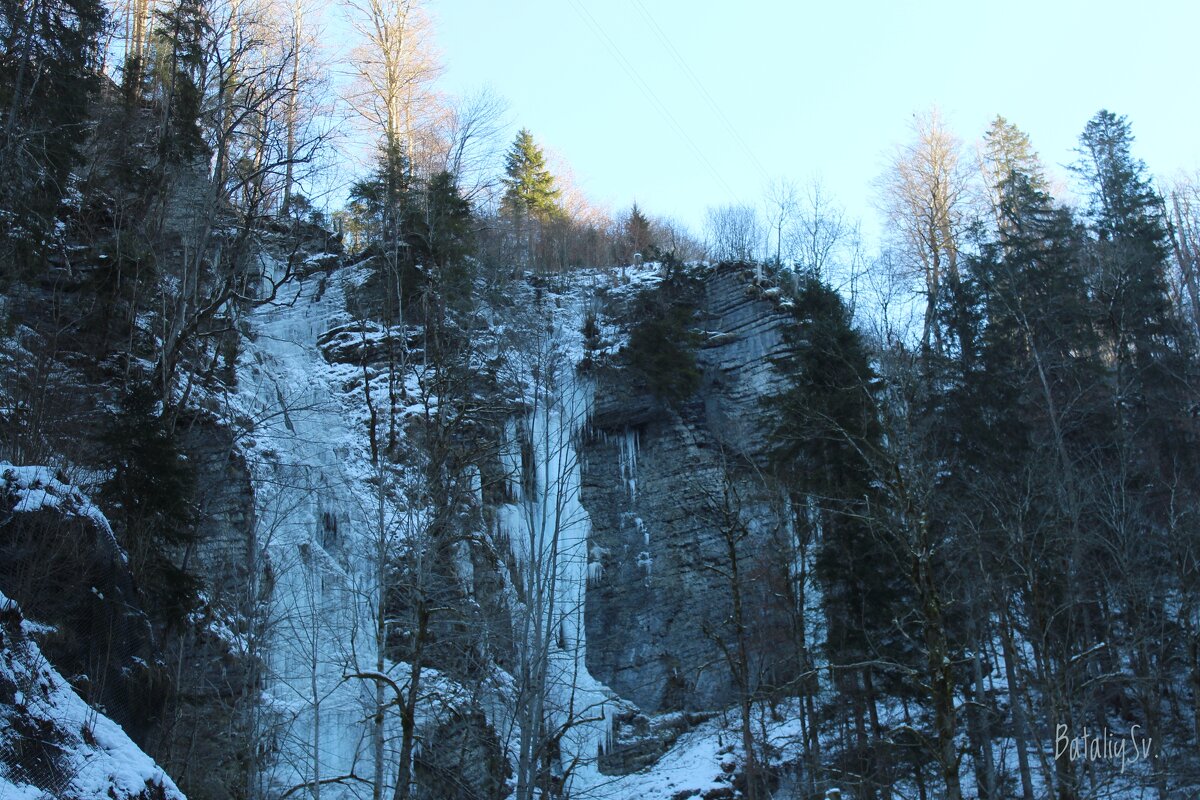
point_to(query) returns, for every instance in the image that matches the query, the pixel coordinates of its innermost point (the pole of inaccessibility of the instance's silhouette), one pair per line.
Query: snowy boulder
(37, 488)
(366, 343)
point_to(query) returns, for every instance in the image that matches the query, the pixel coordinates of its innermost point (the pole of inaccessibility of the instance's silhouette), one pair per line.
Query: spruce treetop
(530, 189)
(1008, 151)
(1124, 204)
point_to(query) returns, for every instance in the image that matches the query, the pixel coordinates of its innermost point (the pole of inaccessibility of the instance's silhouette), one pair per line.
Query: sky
(681, 104)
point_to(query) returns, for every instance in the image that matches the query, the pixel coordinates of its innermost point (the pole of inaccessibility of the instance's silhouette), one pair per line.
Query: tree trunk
(1016, 702)
(408, 726)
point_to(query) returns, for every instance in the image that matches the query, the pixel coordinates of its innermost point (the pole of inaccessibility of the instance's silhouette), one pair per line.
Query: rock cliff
(667, 488)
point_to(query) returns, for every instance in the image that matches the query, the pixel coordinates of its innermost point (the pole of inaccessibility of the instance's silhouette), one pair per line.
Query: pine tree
(531, 199)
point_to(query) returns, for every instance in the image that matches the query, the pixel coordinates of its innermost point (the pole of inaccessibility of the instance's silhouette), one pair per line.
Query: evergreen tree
(1129, 262)
(182, 38)
(1149, 472)
(637, 233)
(149, 495)
(531, 200)
(828, 453)
(48, 56)
(442, 235)
(529, 190)
(1007, 151)
(663, 344)
(1032, 290)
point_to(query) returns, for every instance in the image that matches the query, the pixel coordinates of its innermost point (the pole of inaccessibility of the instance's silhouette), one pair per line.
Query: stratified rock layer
(668, 489)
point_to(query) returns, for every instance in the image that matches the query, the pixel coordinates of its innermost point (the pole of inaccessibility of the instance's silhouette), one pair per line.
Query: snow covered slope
(52, 744)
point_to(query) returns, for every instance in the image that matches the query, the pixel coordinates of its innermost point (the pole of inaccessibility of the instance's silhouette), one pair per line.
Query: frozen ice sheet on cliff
(311, 492)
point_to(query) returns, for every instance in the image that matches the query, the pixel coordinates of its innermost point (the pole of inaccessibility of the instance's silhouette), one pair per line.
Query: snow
(109, 766)
(38, 488)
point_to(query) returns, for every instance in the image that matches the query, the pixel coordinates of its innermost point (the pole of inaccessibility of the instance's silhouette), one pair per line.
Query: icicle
(628, 449)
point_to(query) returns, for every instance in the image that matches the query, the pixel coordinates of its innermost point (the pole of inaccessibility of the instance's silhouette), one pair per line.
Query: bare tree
(472, 134)
(741, 639)
(674, 237)
(782, 200)
(734, 233)
(394, 69)
(924, 194)
(1183, 214)
(820, 232)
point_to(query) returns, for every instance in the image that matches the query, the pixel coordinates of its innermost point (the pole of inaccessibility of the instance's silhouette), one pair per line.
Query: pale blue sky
(823, 89)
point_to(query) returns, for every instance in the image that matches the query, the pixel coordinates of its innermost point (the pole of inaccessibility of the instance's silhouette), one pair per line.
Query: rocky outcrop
(639, 740)
(225, 553)
(463, 761)
(745, 326)
(208, 744)
(60, 562)
(675, 496)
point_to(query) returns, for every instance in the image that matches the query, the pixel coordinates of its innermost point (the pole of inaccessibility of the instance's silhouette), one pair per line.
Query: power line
(675, 54)
(646, 90)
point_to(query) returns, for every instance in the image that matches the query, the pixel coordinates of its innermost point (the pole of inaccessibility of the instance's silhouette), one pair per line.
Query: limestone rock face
(675, 497)
(218, 669)
(746, 334)
(225, 552)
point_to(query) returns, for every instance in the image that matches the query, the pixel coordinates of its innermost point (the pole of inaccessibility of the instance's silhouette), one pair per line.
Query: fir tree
(1149, 471)
(441, 236)
(149, 496)
(182, 32)
(1007, 152)
(828, 454)
(637, 233)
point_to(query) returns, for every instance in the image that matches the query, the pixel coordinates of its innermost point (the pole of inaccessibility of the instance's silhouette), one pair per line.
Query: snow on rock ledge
(52, 744)
(35, 488)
